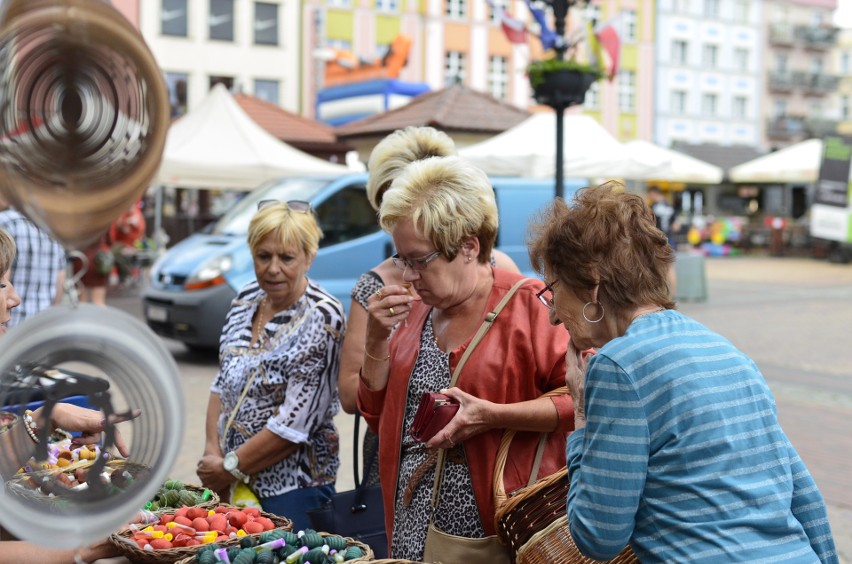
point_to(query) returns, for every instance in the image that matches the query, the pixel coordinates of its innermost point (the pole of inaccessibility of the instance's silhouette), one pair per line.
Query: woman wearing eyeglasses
(387, 161)
(444, 222)
(270, 415)
(678, 451)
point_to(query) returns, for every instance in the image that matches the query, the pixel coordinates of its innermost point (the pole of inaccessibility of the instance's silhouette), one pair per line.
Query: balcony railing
(785, 126)
(796, 126)
(781, 81)
(817, 37)
(782, 34)
(817, 83)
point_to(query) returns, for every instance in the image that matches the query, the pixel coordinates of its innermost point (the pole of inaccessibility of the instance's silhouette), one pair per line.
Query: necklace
(258, 323)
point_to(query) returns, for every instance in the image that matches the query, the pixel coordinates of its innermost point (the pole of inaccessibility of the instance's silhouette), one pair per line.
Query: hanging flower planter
(559, 83)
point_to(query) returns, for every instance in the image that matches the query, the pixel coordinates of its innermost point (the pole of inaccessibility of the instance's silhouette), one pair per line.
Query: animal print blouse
(291, 375)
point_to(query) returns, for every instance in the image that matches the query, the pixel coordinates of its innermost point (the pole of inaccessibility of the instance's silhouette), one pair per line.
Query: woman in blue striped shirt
(677, 449)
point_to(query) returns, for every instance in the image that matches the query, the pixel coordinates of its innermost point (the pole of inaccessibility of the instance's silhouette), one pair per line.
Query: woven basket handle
(500, 496)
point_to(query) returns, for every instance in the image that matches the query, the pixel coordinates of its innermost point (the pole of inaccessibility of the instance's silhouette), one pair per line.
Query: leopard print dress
(457, 512)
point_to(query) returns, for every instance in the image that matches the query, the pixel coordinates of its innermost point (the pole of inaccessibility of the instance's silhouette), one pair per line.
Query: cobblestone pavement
(793, 316)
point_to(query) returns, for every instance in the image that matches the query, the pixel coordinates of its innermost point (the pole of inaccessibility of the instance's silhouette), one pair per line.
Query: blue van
(192, 284)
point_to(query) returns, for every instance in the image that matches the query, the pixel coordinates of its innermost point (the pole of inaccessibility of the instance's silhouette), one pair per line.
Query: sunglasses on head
(299, 206)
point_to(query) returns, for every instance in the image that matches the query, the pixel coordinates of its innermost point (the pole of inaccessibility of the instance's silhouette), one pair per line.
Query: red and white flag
(515, 29)
(610, 42)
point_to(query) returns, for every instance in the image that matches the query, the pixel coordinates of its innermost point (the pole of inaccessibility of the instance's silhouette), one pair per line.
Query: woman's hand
(575, 379)
(387, 307)
(211, 471)
(470, 420)
(88, 422)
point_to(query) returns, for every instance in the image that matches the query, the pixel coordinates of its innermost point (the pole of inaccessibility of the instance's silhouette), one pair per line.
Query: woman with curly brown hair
(677, 450)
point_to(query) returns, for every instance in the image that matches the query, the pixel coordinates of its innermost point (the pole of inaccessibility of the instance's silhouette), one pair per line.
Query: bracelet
(30, 426)
(376, 358)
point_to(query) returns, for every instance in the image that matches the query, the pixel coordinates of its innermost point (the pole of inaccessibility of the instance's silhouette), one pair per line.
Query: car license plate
(154, 313)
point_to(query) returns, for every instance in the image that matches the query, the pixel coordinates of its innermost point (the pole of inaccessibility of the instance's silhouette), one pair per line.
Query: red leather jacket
(521, 358)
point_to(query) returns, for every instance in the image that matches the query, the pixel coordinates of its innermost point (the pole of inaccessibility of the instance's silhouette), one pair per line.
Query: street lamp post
(560, 15)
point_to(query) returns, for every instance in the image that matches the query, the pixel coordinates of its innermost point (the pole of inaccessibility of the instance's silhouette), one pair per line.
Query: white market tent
(529, 149)
(217, 145)
(680, 168)
(796, 163)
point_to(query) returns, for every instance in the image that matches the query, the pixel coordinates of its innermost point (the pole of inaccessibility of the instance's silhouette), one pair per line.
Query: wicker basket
(20, 484)
(209, 504)
(368, 553)
(132, 552)
(533, 522)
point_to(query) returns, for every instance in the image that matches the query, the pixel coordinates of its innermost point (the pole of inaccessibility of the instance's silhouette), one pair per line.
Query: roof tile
(455, 108)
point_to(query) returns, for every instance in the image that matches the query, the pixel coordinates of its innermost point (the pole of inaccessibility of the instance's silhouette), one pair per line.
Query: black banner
(832, 187)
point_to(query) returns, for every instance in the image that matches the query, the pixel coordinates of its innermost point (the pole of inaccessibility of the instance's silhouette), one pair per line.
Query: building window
(221, 20)
(680, 52)
(628, 26)
(739, 107)
(741, 11)
(387, 5)
(456, 9)
(779, 108)
(680, 6)
(781, 63)
(815, 110)
(816, 65)
(495, 14)
(267, 90)
(454, 68)
(741, 58)
(593, 96)
(265, 23)
(711, 55)
(627, 91)
(338, 3)
(498, 77)
(708, 104)
(228, 81)
(711, 9)
(176, 82)
(173, 20)
(679, 102)
(845, 67)
(845, 107)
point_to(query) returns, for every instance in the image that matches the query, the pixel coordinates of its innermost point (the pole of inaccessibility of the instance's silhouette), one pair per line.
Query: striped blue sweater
(683, 458)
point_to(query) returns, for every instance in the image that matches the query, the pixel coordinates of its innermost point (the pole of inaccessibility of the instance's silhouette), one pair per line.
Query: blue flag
(546, 35)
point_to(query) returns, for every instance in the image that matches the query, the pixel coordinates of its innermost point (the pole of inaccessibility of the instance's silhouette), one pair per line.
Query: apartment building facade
(249, 46)
(708, 83)
(800, 86)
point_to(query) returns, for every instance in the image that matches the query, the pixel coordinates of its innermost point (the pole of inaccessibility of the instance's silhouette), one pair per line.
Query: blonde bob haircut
(290, 227)
(449, 200)
(605, 238)
(7, 251)
(397, 150)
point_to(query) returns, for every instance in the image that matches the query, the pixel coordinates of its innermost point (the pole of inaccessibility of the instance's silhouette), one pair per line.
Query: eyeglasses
(414, 264)
(299, 206)
(545, 296)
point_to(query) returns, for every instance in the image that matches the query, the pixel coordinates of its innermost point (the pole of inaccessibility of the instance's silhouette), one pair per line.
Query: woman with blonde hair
(443, 220)
(270, 417)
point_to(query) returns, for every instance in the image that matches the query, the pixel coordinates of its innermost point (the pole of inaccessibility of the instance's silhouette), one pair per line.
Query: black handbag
(358, 513)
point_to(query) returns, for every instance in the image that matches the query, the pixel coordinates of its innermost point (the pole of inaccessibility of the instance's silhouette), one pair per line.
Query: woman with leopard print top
(443, 221)
(271, 409)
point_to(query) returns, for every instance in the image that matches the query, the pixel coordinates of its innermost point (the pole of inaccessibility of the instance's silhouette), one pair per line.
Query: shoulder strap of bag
(483, 329)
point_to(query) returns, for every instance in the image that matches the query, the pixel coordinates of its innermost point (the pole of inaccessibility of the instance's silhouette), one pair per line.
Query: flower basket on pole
(561, 84)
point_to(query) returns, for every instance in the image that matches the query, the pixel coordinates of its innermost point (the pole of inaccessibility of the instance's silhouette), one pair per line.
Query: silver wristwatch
(232, 465)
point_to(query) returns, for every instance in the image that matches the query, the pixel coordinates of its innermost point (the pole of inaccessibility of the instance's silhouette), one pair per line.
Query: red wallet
(433, 414)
